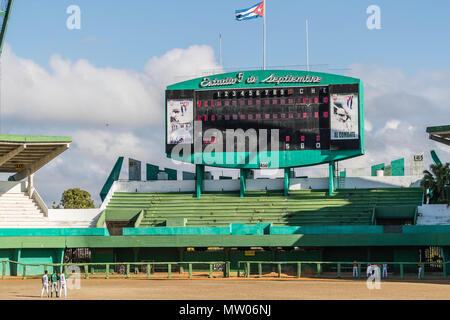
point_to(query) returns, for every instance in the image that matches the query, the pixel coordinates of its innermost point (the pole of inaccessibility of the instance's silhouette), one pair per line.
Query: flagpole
(264, 42)
(220, 49)
(307, 47)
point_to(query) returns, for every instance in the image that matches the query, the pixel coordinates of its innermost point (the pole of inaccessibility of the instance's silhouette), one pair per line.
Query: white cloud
(398, 108)
(80, 93)
(392, 124)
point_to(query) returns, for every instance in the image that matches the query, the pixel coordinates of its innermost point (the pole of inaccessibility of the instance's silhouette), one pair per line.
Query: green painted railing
(89, 268)
(245, 266)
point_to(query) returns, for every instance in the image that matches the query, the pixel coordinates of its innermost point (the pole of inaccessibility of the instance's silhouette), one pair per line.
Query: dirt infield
(234, 289)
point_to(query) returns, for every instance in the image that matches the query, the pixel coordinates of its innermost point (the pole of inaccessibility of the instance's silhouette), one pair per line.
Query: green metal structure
(5, 13)
(113, 176)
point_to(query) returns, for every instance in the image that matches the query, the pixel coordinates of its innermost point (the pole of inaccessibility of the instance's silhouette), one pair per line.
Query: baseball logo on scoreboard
(344, 116)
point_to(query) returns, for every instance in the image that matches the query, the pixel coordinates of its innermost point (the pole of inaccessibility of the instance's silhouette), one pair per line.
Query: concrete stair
(19, 211)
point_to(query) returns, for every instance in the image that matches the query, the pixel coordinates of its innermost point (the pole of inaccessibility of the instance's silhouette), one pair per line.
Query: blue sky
(104, 85)
(126, 34)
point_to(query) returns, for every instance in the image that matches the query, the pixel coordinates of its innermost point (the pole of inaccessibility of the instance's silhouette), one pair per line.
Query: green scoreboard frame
(261, 81)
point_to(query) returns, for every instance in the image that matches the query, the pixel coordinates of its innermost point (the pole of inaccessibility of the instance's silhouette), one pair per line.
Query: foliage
(437, 182)
(75, 199)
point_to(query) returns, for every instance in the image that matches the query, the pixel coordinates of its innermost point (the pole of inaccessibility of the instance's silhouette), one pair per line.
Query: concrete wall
(263, 184)
(381, 182)
(13, 186)
(432, 214)
(73, 214)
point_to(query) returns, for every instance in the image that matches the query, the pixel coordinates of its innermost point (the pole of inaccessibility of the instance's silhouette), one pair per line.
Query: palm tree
(437, 182)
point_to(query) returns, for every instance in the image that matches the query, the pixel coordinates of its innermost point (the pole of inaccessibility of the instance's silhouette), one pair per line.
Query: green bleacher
(304, 207)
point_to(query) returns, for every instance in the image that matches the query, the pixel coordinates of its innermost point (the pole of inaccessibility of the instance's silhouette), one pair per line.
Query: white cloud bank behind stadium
(112, 112)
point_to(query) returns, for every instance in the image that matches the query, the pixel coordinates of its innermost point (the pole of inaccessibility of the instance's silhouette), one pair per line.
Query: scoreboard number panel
(308, 118)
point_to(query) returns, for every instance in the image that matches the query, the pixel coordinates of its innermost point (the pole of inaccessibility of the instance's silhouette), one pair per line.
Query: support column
(199, 173)
(60, 257)
(331, 169)
(287, 175)
(136, 254)
(18, 257)
(181, 258)
(30, 185)
(242, 178)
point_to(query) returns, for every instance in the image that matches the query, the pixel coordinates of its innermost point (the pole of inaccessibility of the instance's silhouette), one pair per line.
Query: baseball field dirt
(233, 289)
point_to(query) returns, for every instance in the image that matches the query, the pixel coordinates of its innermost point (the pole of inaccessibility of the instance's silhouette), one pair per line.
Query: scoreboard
(317, 117)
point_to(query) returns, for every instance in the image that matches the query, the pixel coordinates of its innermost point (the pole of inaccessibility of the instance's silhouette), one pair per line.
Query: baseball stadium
(175, 224)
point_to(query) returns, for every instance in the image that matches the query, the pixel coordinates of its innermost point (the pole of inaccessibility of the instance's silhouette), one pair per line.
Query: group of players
(53, 279)
(371, 269)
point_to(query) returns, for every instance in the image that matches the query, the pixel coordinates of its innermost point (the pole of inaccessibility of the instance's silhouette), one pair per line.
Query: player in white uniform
(62, 284)
(368, 270)
(44, 284)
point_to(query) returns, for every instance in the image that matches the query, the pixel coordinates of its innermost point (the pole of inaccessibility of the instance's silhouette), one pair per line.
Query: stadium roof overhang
(440, 134)
(24, 155)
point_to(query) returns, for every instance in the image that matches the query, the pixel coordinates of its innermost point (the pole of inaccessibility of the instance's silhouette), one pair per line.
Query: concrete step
(31, 219)
(17, 203)
(42, 225)
(24, 216)
(25, 211)
(19, 208)
(13, 196)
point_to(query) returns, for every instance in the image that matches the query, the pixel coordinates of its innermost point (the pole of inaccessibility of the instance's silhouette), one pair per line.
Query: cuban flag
(253, 12)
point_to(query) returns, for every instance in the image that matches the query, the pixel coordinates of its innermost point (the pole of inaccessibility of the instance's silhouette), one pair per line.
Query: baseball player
(54, 281)
(385, 273)
(62, 284)
(355, 269)
(420, 272)
(44, 284)
(368, 270)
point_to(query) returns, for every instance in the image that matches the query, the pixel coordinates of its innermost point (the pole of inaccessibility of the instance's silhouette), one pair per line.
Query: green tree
(75, 199)
(437, 183)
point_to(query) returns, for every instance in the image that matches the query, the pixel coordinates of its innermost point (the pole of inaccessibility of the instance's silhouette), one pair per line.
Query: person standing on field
(62, 285)
(419, 276)
(54, 280)
(385, 273)
(44, 284)
(355, 269)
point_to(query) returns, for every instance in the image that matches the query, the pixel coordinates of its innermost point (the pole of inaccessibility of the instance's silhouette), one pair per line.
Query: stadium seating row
(302, 207)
